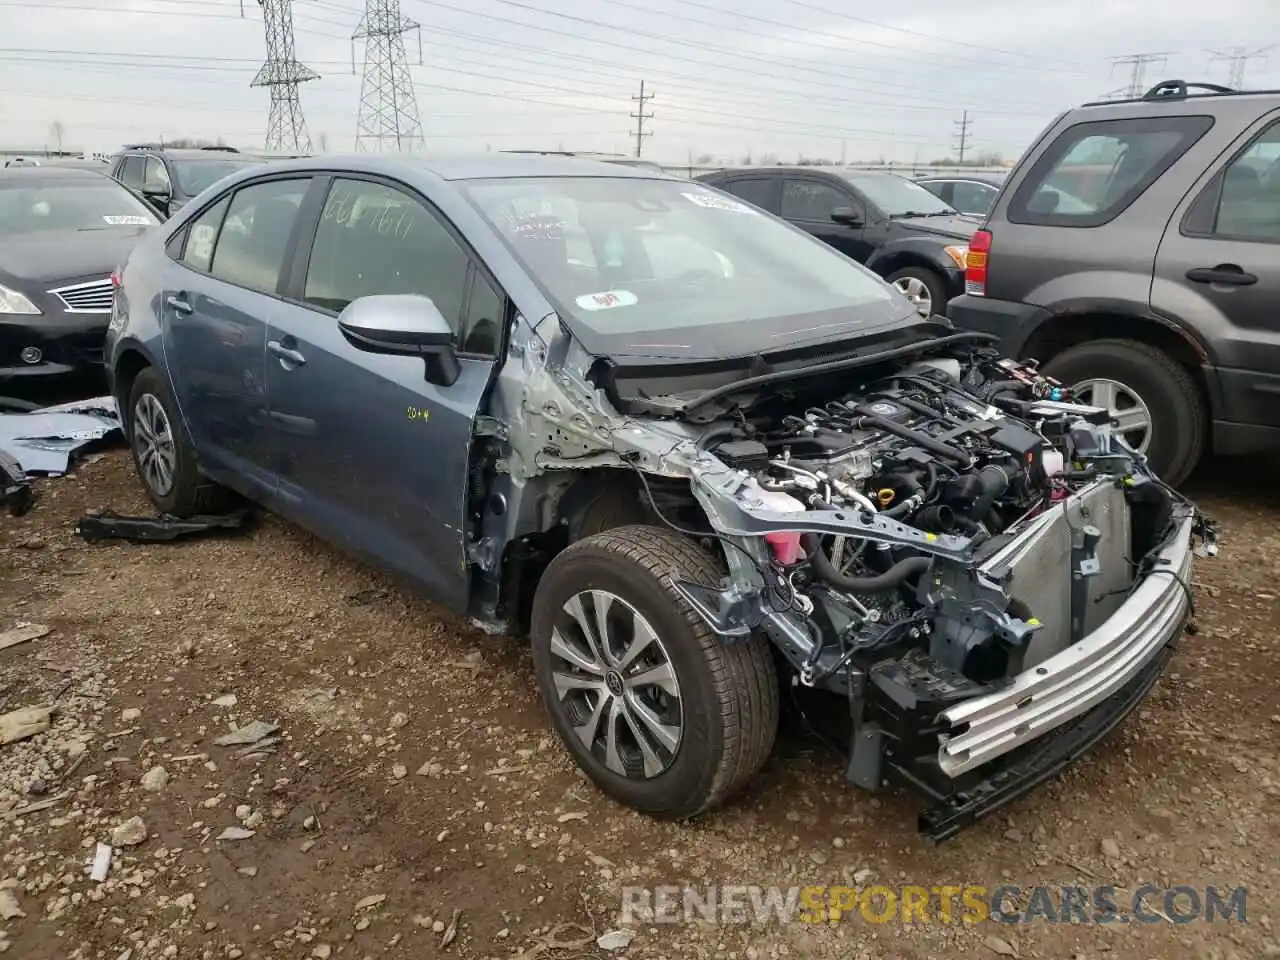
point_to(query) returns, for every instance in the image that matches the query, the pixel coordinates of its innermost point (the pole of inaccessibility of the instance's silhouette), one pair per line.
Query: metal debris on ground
(15, 488)
(112, 526)
(23, 633)
(44, 440)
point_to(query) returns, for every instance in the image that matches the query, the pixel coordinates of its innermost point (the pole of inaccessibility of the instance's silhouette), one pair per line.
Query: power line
(962, 133)
(1238, 59)
(1137, 64)
(640, 117)
(388, 108)
(281, 74)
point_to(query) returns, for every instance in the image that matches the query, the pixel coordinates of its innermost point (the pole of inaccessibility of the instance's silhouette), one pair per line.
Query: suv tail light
(975, 270)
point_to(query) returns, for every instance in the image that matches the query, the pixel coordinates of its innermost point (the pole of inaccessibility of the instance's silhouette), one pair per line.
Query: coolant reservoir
(785, 545)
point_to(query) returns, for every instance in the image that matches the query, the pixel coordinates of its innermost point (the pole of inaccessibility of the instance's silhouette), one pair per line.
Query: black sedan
(892, 225)
(63, 231)
(970, 193)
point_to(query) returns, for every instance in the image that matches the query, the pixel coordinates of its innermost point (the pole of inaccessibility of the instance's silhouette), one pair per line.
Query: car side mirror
(847, 216)
(404, 325)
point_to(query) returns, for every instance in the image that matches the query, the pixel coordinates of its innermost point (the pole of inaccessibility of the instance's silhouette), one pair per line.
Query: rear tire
(1179, 422)
(709, 727)
(163, 454)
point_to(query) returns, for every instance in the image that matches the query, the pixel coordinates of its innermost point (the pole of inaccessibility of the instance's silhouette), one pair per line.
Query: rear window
(1093, 171)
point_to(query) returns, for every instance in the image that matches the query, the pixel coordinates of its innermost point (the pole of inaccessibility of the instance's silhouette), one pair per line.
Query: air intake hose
(896, 575)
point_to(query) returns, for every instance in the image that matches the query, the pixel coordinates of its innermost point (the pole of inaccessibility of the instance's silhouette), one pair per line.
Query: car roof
(992, 179)
(52, 173)
(478, 167)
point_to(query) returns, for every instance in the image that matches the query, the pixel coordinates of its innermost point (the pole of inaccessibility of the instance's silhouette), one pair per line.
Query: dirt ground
(417, 805)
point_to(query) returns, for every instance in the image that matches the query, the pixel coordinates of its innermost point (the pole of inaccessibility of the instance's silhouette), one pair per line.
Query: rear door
(762, 192)
(809, 203)
(370, 454)
(1218, 271)
(219, 296)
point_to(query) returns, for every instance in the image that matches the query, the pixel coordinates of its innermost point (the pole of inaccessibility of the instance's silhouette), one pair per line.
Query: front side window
(202, 235)
(155, 177)
(91, 203)
(757, 190)
(1249, 198)
(374, 239)
(811, 200)
(1095, 170)
(254, 241)
(675, 269)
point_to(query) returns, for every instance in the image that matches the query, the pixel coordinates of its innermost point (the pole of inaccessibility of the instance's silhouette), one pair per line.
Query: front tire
(1157, 404)
(664, 716)
(162, 453)
(925, 288)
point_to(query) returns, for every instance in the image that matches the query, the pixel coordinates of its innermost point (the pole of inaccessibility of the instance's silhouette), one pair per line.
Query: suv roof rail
(1179, 89)
(221, 147)
(144, 146)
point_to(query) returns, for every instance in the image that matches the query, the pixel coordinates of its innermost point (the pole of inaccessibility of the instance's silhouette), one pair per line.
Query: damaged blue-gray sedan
(696, 455)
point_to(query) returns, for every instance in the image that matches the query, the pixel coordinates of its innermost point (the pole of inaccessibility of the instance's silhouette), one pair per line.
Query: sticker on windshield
(607, 300)
(129, 221)
(713, 202)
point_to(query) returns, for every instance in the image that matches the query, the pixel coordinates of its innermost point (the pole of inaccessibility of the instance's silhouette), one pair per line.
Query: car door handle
(287, 354)
(180, 304)
(1228, 273)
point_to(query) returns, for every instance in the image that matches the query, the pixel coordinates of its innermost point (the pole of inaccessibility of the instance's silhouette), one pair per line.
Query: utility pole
(962, 134)
(640, 117)
(286, 126)
(1137, 64)
(388, 118)
(1238, 60)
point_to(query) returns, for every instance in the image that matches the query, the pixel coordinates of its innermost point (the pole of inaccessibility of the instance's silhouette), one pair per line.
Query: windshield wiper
(831, 366)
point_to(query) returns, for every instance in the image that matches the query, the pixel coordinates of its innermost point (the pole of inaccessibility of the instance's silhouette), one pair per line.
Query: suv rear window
(1095, 170)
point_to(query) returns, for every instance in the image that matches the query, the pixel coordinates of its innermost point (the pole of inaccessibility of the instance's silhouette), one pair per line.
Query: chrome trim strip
(1074, 681)
(93, 290)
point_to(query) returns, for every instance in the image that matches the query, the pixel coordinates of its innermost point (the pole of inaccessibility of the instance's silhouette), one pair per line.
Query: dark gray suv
(1135, 252)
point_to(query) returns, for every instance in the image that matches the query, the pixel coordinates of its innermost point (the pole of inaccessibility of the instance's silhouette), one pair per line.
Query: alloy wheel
(1129, 411)
(616, 684)
(917, 291)
(153, 445)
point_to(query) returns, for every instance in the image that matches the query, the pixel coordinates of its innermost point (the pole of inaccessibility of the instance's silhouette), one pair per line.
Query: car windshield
(673, 268)
(195, 176)
(899, 197)
(94, 203)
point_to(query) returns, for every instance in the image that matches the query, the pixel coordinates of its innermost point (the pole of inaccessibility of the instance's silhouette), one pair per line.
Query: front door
(1218, 270)
(219, 297)
(370, 454)
(809, 205)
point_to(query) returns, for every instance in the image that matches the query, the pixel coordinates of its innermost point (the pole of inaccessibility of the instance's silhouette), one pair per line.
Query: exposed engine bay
(949, 528)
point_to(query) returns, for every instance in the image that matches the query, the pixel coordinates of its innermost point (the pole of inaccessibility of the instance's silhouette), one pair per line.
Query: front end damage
(973, 563)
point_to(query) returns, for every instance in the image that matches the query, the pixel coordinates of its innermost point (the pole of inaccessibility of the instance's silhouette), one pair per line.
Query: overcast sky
(730, 77)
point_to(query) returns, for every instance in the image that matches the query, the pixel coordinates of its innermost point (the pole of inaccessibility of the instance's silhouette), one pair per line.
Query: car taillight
(975, 269)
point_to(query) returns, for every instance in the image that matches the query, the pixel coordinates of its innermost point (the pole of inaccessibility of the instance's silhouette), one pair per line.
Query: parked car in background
(895, 227)
(63, 230)
(1135, 252)
(970, 193)
(168, 178)
(656, 429)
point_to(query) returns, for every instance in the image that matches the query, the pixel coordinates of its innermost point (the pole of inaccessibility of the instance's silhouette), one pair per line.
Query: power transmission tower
(286, 126)
(1238, 59)
(962, 134)
(640, 117)
(1137, 64)
(388, 117)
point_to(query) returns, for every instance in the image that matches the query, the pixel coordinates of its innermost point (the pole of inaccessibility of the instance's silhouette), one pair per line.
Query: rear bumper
(1009, 320)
